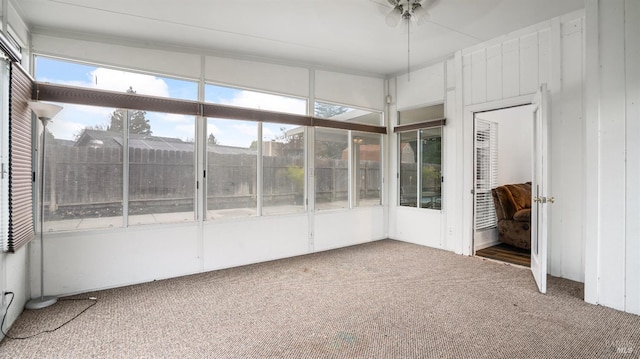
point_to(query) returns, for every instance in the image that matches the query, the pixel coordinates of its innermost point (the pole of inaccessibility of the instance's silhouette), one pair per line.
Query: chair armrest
(523, 215)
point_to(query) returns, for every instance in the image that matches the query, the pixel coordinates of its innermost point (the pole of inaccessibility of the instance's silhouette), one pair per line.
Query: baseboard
(485, 238)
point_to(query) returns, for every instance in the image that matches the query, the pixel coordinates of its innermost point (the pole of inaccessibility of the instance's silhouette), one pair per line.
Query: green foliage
(296, 175)
(432, 150)
(292, 145)
(430, 176)
(138, 124)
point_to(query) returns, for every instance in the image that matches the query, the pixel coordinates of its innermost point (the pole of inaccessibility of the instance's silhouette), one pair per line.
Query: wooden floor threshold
(506, 253)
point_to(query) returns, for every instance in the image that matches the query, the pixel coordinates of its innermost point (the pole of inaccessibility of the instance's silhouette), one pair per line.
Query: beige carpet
(386, 299)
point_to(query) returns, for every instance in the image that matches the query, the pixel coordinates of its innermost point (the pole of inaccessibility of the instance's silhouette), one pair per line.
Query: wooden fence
(88, 182)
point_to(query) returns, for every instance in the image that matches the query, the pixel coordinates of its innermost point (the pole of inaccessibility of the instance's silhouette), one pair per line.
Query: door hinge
(2, 171)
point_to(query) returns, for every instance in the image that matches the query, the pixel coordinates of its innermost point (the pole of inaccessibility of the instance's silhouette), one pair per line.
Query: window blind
(94, 97)
(486, 144)
(21, 228)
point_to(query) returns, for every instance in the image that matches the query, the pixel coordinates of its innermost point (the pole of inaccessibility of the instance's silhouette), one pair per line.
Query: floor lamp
(45, 112)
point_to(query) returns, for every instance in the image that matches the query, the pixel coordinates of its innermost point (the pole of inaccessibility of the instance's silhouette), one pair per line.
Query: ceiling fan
(409, 10)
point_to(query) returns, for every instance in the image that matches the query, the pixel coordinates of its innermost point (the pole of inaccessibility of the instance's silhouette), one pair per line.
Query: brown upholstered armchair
(513, 209)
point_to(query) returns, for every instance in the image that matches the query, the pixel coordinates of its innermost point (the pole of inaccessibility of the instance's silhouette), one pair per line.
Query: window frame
(418, 127)
(202, 110)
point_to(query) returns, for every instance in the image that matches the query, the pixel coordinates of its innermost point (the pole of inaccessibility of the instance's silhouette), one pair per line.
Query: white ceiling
(347, 34)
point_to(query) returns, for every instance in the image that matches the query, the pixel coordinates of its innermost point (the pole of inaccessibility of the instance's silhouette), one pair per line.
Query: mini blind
(21, 229)
(486, 145)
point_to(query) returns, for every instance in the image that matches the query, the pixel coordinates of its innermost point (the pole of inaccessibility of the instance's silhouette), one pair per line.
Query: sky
(74, 118)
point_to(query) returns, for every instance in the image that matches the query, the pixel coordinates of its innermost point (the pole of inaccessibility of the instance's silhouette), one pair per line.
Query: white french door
(539, 188)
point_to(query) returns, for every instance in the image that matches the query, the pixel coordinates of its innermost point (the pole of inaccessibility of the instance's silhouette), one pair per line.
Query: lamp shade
(420, 14)
(44, 110)
(394, 17)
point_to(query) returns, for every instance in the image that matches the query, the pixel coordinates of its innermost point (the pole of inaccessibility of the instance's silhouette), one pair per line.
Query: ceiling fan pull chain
(408, 50)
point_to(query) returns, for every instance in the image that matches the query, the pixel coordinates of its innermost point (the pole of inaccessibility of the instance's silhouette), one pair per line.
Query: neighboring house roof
(230, 150)
(63, 143)
(367, 153)
(109, 139)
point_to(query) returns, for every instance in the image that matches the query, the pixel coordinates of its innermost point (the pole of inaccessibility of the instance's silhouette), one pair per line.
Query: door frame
(467, 170)
(474, 164)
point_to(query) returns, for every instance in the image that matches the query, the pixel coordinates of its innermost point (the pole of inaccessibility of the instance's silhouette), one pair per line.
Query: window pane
(423, 114)
(348, 114)
(231, 168)
(83, 184)
(431, 140)
(161, 167)
(367, 172)
(408, 168)
(97, 77)
(231, 96)
(283, 164)
(332, 170)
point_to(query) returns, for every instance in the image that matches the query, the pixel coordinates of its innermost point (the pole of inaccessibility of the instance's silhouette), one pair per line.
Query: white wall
(506, 72)
(82, 261)
(428, 86)
(612, 151)
(515, 143)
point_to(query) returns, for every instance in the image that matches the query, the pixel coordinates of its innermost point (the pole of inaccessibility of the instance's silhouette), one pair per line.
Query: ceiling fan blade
(428, 4)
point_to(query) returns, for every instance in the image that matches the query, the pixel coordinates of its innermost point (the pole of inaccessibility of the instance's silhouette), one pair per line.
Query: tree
(138, 124)
(212, 140)
(329, 149)
(292, 145)
(327, 110)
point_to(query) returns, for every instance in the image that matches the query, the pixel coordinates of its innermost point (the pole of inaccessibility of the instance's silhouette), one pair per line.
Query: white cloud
(267, 102)
(269, 134)
(73, 118)
(114, 80)
(173, 118)
(213, 129)
(241, 134)
(250, 130)
(69, 129)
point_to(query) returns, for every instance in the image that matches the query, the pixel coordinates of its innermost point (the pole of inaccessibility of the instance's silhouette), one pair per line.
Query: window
(367, 171)
(113, 167)
(231, 96)
(331, 169)
(420, 152)
(231, 168)
(430, 195)
(84, 169)
(233, 172)
(89, 148)
(99, 77)
(420, 185)
(283, 169)
(348, 114)
(161, 167)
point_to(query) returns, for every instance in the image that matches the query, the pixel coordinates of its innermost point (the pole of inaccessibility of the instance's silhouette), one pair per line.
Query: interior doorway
(503, 164)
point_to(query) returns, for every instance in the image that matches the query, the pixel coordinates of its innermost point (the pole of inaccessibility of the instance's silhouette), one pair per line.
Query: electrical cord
(93, 300)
